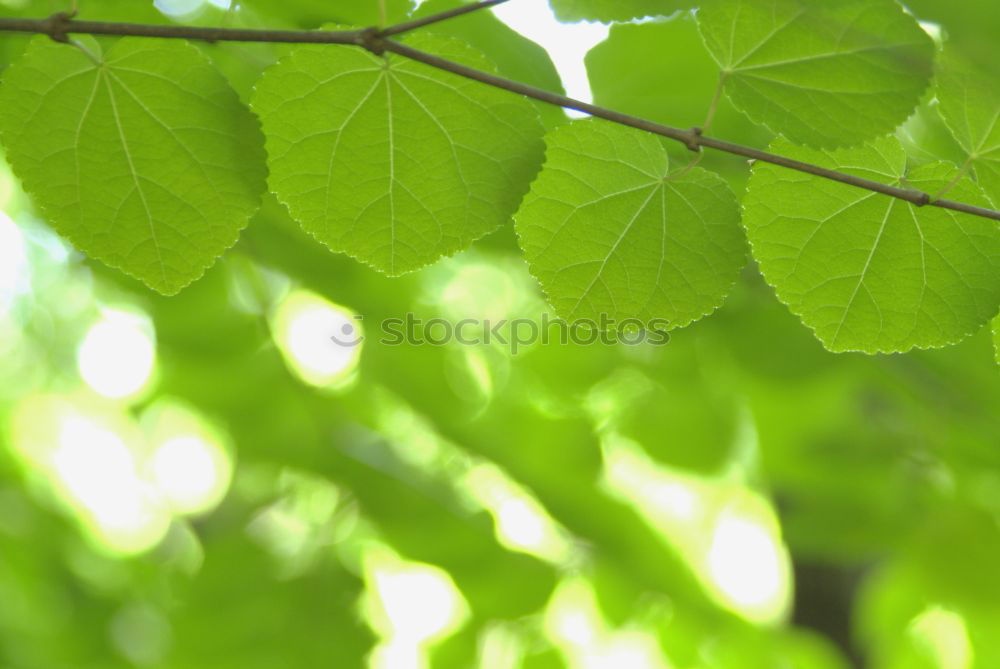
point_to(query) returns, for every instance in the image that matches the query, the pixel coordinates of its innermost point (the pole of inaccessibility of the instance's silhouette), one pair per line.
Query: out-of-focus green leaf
(973, 23)
(408, 509)
(239, 586)
(294, 426)
(677, 407)
(935, 599)
(556, 458)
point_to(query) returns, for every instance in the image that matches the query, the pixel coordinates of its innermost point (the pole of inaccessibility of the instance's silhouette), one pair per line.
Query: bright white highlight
(522, 524)
(745, 563)
(187, 460)
(123, 481)
(182, 7)
(398, 654)
(933, 30)
(567, 43)
(725, 532)
(944, 636)
(574, 624)
(97, 471)
(319, 340)
(572, 618)
(414, 605)
(117, 355)
(419, 602)
(186, 470)
(672, 500)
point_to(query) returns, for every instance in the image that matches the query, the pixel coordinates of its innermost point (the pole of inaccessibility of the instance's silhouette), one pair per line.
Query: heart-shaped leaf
(142, 156)
(608, 230)
(868, 272)
(392, 161)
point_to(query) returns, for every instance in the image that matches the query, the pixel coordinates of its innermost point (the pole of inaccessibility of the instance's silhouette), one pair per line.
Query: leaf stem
(374, 40)
(962, 171)
(709, 117)
(714, 104)
(87, 52)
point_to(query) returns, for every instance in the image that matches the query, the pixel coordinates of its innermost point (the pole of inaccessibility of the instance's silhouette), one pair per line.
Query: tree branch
(59, 25)
(692, 138)
(374, 40)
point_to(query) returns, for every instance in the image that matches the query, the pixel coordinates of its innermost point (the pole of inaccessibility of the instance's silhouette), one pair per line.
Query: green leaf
(144, 160)
(615, 10)
(607, 229)
(867, 272)
(391, 161)
(974, 24)
(970, 104)
(822, 73)
(515, 56)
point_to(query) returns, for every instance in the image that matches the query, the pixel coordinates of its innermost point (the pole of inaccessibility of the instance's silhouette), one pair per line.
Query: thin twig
(691, 138)
(59, 25)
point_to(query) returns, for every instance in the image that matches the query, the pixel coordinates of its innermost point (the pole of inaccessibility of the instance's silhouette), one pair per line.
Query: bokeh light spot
(96, 472)
(187, 461)
(412, 605)
(117, 354)
(186, 470)
(320, 341)
(944, 636)
(745, 563)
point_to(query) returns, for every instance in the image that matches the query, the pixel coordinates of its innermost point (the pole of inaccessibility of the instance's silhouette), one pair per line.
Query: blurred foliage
(737, 498)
